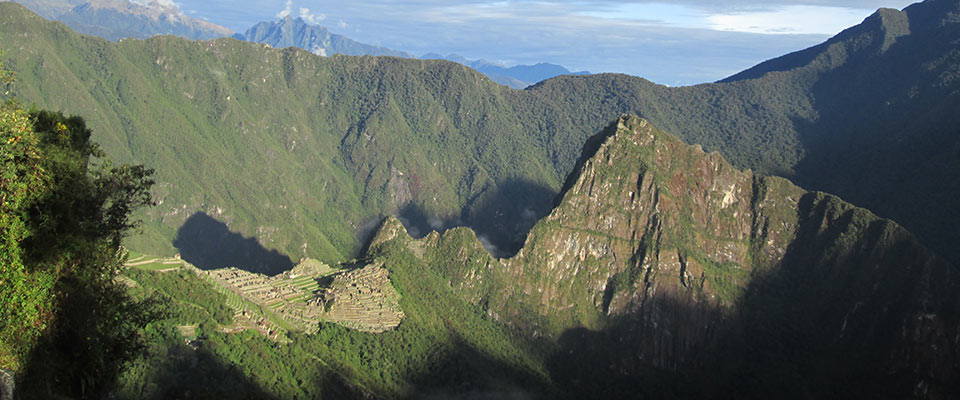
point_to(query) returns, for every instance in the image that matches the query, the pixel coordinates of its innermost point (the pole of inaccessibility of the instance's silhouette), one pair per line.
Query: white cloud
(311, 18)
(286, 11)
(342, 24)
(789, 20)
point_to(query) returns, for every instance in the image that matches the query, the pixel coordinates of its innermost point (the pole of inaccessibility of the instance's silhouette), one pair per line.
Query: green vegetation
(742, 295)
(305, 153)
(187, 298)
(444, 346)
(67, 327)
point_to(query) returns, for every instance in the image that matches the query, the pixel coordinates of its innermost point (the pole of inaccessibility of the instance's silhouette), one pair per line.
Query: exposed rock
(7, 385)
(702, 261)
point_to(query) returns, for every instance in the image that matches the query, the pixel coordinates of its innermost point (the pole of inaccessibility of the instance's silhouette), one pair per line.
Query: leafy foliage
(24, 293)
(62, 314)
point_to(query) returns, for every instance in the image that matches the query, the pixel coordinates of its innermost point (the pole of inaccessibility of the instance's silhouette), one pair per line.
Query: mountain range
(118, 19)
(517, 76)
(296, 32)
(812, 124)
(536, 248)
(290, 31)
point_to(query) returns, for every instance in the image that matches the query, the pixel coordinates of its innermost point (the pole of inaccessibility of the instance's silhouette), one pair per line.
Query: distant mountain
(118, 19)
(654, 270)
(517, 76)
(316, 39)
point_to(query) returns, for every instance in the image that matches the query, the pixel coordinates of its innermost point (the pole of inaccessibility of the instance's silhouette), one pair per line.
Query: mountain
(661, 272)
(517, 76)
(665, 272)
(118, 19)
(335, 143)
(296, 32)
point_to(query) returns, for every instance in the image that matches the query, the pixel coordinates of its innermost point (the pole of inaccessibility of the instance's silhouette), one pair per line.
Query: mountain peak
(291, 31)
(118, 19)
(892, 23)
(682, 245)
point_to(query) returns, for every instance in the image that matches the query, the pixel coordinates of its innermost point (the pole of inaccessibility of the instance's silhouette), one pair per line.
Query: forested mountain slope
(302, 153)
(665, 272)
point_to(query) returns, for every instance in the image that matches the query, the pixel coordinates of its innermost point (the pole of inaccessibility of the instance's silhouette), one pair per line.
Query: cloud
(759, 5)
(167, 5)
(672, 42)
(313, 19)
(435, 223)
(788, 19)
(491, 248)
(286, 11)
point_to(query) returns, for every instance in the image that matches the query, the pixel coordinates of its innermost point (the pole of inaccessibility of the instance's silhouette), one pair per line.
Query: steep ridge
(881, 97)
(675, 261)
(362, 127)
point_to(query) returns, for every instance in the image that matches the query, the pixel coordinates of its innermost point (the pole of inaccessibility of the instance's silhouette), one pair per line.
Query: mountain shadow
(501, 218)
(209, 244)
(837, 318)
(466, 372)
(190, 371)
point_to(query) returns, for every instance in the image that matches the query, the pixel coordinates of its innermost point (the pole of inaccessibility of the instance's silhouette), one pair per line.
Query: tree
(67, 326)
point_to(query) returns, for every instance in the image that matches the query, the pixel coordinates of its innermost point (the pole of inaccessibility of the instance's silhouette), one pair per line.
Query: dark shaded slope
(888, 117)
(872, 115)
(665, 273)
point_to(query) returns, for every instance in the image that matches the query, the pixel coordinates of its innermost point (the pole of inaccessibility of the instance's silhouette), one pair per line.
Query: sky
(677, 43)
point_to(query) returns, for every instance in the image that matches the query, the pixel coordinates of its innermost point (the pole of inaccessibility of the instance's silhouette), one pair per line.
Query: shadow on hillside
(657, 353)
(182, 372)
(890, 145)
(837, 319)
(209, 244)
(468, 373)
(501, 219)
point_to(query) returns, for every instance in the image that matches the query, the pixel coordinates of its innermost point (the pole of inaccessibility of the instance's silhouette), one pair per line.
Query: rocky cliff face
(690, 265)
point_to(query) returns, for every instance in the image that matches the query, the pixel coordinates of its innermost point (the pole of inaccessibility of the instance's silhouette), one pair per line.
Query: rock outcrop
(699, 266)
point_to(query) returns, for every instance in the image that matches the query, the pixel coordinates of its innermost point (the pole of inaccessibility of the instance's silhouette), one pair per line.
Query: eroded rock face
(690, 264)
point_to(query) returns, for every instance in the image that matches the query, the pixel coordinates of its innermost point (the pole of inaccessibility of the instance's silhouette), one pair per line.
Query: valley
(329, 130)
(786, 232)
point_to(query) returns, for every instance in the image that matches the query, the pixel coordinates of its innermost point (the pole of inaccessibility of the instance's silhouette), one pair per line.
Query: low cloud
(304, 13)
(491, 248)
(311, 18)
(788, 20)
(435, 223)
(528, 214)
(286, 11)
